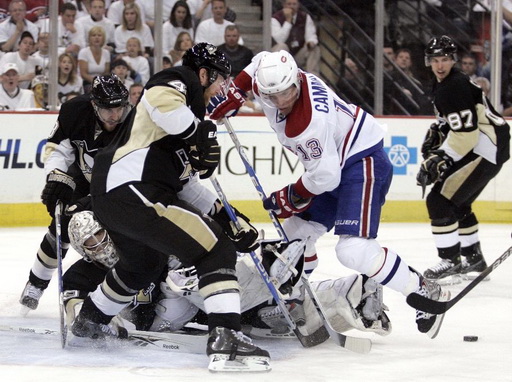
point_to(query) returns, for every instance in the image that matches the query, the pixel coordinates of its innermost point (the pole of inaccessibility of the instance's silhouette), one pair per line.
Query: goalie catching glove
(204, 155)
(246, 238)
(59, 186)
(286, 202)
(434, 167)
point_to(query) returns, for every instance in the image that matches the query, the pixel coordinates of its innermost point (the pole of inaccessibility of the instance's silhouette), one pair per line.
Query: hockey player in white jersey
(347, 172)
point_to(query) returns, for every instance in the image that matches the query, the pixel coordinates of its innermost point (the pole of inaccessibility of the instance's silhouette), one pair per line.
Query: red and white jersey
(322, 130)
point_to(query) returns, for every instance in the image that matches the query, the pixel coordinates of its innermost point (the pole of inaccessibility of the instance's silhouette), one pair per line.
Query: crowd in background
(101, 36)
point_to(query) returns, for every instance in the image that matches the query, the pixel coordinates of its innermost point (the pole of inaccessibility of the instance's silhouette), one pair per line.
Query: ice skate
(83, 327)
(430, 323)
(446, 272)
(30, 297)
(232, 351)
(473, 262)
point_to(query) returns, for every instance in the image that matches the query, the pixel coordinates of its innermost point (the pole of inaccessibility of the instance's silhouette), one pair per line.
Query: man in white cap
(12, 97)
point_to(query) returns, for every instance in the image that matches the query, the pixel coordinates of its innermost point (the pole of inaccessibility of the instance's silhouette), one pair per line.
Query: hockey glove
(59, 186)
(204, 152)
(286, 202)
(245, 239)
(433, 139)
(433, 168)
(220, 107)
(82, 204)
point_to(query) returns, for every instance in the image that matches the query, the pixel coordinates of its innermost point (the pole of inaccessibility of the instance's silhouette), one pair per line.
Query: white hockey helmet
(276, 73)
(91, 240)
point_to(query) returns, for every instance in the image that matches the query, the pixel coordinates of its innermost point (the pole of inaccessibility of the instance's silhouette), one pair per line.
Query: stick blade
(427, 305)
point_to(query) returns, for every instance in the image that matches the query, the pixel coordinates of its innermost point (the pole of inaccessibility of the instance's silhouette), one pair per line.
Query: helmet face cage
(440, 46)
(277, 73)
(83, 227)
(207, 56)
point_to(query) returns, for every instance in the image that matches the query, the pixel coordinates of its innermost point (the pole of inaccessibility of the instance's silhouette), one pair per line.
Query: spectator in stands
(4, 10)
(12, 97)
(134, 57)
(412, 97)
(212, 30)
(37, 10)
(27, 65)
(352, 85)
(12, 28)
(94, 60)
(469, 66)
(293, 30)
(135, 92)
(71, 36)
(389, 52)
(166, 62)
(132, 26)
(180, 20)
(183, 43)
(115, 11)
(149, 10)
(484, 83)
(42, 51)
(39, 86)
(121, 69)
(97, 18)
(68, 79)
(238, 55)
(82, 7)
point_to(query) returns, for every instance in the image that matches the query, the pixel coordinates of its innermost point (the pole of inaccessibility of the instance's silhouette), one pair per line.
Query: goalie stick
(306, 340)
(58, 237)
(355, 344)
(439, 307)
(174, 342)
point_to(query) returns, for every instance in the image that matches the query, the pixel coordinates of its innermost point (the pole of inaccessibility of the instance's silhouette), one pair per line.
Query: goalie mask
(91, 240)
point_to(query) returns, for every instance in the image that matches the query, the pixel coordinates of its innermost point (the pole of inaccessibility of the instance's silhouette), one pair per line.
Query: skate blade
(434, 330)
(473, 275)
(222, 363)
(269, 333)
(449, 280)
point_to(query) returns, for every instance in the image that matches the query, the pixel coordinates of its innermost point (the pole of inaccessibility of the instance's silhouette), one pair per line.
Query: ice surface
(404, 355)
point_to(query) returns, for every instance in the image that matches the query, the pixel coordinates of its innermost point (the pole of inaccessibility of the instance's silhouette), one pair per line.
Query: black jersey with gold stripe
(150, 148)
(470, 121)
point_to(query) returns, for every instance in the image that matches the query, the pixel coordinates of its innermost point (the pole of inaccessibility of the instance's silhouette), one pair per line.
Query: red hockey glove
(286, 202)
(220, 107)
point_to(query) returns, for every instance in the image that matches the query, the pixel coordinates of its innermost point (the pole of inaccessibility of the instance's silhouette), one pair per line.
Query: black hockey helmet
(440, 46)
(109, 92)
(204, 55)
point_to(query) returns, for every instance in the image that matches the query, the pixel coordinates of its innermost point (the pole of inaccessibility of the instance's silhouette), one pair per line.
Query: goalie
(171, 302)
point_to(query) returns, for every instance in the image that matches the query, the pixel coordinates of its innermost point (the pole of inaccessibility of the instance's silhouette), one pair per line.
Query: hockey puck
(470, 338)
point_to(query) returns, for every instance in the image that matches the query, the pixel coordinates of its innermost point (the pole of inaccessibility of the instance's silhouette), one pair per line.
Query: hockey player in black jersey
(134, 190)
(462, 152)
(85, 125)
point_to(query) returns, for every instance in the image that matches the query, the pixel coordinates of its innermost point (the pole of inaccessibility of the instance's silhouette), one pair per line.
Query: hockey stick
(439, 307)
(177, 342)
(58, 240)
(356, 344)
(306, 341)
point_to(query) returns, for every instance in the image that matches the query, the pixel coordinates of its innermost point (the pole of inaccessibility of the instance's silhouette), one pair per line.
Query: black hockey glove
(204, 152)
(433, 168)
(245, 239)
(59, 186)
(433, 139)
(82, 204)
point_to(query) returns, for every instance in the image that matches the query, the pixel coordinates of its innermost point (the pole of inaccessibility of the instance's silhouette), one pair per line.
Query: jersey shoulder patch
(179, 86)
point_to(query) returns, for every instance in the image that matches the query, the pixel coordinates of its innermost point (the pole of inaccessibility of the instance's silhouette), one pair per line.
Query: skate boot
(446, 272)
(229, 350)
(430, 323)
(83, 327)
(31, 295)
(473, 262)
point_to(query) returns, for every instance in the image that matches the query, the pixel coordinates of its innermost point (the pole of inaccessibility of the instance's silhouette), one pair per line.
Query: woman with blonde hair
(132, 26)
(94, 60)
(68, 79)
